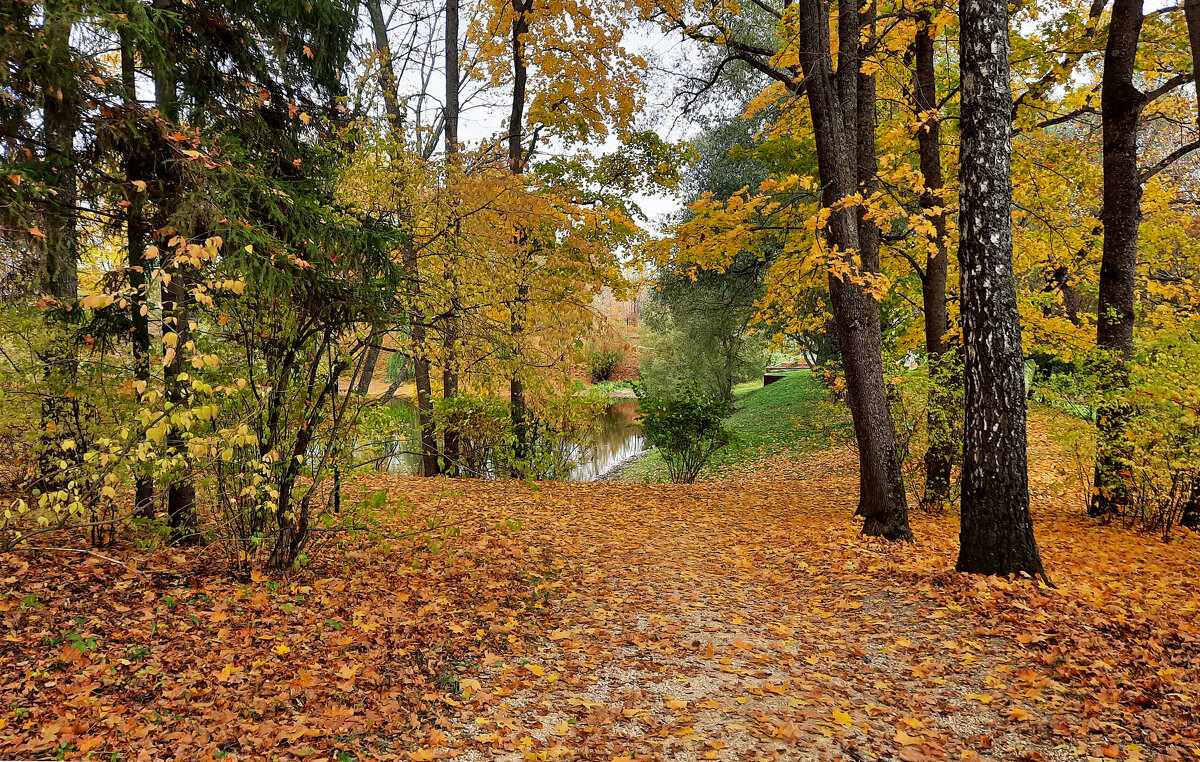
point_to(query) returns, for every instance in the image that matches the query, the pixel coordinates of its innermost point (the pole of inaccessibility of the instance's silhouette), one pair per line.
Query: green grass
(606, 388)
(743, 389)
(792, 415)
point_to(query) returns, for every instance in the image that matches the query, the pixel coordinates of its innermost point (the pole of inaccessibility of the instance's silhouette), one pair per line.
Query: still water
(617, 440)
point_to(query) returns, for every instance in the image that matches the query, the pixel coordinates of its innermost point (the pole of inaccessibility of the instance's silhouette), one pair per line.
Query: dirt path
(749, 621)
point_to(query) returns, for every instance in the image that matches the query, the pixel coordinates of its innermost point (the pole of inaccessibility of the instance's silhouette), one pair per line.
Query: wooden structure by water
(778, 372)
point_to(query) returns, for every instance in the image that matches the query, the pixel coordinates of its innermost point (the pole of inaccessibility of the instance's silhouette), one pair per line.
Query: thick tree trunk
(997, 530)
(882, 502)
(1121, 106)
(939, 453)
(136, 231)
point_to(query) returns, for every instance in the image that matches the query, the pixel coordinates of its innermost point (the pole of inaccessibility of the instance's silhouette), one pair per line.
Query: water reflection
(617, 440)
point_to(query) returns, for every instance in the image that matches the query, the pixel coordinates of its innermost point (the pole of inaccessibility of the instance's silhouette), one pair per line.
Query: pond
(617, 440)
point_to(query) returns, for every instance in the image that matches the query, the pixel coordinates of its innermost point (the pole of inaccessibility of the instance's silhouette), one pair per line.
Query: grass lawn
(794, 414)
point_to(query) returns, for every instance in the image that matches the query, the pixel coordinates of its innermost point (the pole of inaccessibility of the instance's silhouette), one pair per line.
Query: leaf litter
(740, 620)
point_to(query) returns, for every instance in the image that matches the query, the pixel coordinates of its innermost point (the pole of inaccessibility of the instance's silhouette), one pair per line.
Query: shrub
(483, 427)
(1164, 435)
(558, 433)
(686, 427)
(603, 362)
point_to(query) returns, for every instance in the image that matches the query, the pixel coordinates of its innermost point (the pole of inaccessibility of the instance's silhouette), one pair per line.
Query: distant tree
(702, 328)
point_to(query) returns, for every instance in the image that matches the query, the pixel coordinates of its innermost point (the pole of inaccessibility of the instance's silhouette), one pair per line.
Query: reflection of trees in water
(615, 441)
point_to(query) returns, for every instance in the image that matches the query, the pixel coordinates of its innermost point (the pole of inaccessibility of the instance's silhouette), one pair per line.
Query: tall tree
(938, 458)
(418, 320)
(997, 529)
(136, 229)
(450, 324)
(516, 164)
(61, 113)
(841, 154)
(1121, 104)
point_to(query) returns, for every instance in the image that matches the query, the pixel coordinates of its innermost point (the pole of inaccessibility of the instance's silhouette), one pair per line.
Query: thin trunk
(1191, 12)
(450, 327)
(882, 501)
(429, 446)
(997, 531)
(416, 313)
(135, 242)
(181, 494)
(516, 163)
(367, 374)
(387, 72)
(939, 453)
(1121, 105)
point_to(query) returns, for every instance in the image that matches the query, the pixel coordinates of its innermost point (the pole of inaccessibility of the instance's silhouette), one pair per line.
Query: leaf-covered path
(736, 620)
(749, 621)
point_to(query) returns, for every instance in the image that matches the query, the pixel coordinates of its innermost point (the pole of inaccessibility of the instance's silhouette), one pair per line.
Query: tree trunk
(882, 501)
(416, 314)
(516, 163)
(387, 73)
(939, 453)
(135, 241)
(453, 166)
(181, 494)
(60, 122)
(1121, 106)
(997, 530)
(1190, 516)
(367, 374)
(421, 371)
(1191, 15)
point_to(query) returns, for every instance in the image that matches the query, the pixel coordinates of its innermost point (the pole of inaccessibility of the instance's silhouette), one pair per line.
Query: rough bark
(1191, 15)
(1121, 105)
(997, 530)
(939, 453)
(882, 502)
